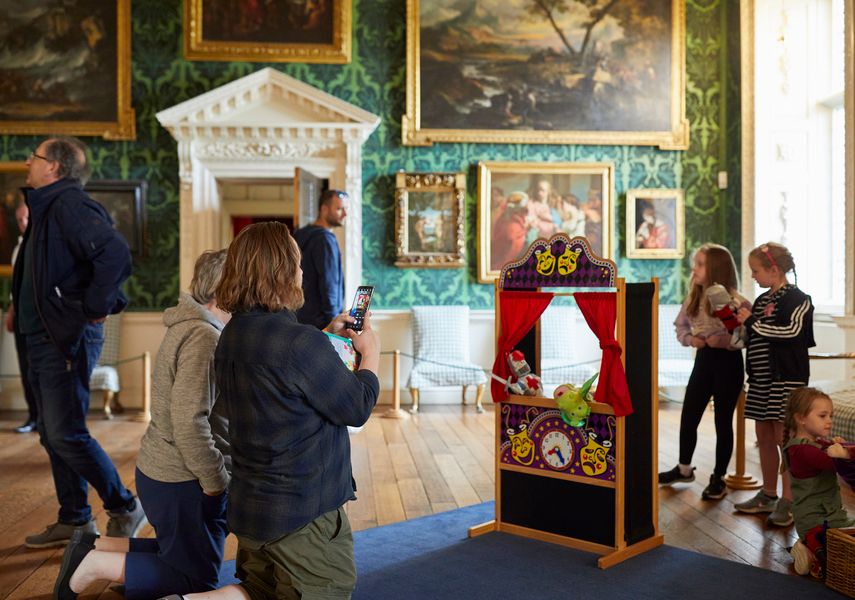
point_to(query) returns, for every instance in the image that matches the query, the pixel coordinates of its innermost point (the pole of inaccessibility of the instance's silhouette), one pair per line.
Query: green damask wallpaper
(375, 81)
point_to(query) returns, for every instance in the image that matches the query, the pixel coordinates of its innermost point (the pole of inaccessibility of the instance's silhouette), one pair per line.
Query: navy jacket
(289, 399)
(79, 261)
(790, 335)
(323, 281)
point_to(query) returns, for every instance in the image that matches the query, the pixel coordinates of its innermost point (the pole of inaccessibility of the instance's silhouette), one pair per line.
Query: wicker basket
(840, 568)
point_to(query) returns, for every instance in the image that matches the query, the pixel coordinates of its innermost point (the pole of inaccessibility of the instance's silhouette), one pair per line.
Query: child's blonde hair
(799, 403)
(773, 254)
(721, 268)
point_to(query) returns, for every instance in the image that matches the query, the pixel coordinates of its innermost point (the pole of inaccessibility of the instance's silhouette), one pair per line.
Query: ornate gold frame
(10, 167)
(124, 128)
(406, 183)
(338, 52)
(679, 250)
(677, 138)
(486, 170)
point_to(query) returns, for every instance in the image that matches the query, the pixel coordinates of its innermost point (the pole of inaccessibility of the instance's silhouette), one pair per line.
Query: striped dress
(767, 396)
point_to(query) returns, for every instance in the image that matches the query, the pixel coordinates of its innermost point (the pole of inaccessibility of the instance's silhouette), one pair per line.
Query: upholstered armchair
(675, 360)
(105, 375)
(441, 352)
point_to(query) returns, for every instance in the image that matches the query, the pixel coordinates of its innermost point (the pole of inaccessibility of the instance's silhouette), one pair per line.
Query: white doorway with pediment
(263, 129)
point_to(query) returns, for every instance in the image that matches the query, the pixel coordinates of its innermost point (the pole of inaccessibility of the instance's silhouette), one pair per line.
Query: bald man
(66, 281)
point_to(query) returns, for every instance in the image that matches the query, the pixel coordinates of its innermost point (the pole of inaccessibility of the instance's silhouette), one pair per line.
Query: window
(800, 196)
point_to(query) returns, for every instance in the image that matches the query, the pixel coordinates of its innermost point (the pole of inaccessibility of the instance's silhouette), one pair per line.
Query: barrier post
(741, 480)
(395, 412)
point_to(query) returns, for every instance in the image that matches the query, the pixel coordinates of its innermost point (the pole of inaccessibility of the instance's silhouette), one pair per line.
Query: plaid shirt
(289, 399)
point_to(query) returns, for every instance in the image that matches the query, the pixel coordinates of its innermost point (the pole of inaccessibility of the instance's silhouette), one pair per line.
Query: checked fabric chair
(675, 360)
(441, 349)
(105, 375)
(560, 361)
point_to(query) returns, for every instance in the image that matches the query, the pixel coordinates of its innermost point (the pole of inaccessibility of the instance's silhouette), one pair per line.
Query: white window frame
(747, 37)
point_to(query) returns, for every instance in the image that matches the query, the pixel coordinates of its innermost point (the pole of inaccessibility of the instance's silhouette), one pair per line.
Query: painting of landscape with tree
(599, 71)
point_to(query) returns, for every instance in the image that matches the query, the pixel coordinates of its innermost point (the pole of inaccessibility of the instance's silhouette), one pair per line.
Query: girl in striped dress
(780, 331)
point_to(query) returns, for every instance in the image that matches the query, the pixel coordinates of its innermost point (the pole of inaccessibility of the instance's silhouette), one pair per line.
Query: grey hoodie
(188, 435)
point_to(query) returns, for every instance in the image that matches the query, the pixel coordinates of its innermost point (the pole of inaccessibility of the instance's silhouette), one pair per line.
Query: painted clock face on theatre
(556, 449)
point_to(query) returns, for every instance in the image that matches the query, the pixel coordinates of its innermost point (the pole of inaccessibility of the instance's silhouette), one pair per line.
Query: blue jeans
(61, 389)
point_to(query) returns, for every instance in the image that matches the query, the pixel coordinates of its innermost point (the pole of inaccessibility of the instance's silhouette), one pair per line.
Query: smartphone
(361, 302)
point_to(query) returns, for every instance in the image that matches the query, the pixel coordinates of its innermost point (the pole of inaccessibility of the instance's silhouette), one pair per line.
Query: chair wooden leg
(414, 392)
(478, 395)
(108, 399)
(463, 396)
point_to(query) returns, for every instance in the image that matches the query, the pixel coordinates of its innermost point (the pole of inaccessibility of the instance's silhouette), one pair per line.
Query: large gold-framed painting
(520, 202)
(309, 31)
(66, 68)
(546, 71)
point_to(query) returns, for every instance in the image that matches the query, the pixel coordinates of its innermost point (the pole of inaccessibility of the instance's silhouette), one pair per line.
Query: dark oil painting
(271, 21)
(581, 65)
(13, 177)
(58, 60)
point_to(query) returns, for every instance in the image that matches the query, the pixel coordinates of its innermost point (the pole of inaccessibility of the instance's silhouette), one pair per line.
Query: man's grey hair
(70, 154)
(206, 275)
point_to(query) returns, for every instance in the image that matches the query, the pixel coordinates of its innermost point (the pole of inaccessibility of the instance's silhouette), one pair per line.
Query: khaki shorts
(313, 562)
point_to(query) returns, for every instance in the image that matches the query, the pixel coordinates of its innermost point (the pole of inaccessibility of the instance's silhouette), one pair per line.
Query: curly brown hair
(261, 271)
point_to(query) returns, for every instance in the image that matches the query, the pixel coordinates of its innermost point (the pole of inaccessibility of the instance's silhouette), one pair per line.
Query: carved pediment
(264, 126)
(265, 99)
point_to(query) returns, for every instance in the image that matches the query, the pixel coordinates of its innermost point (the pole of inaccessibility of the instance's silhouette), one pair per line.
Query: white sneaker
(803, 558)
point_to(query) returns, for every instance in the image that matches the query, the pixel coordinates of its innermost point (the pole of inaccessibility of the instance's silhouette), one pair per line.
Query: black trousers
(718, 374)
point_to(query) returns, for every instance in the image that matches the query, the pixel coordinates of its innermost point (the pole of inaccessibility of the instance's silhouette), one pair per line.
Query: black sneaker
(716, 490)
(675, 476)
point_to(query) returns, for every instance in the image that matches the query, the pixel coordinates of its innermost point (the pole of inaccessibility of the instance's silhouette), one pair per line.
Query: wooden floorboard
(435, 461)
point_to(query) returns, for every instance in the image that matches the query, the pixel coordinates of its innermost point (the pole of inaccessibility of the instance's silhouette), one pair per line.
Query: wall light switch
(722, 180)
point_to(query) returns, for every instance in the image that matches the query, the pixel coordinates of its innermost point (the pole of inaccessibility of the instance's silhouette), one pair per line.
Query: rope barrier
(487, 372)
(110, 364)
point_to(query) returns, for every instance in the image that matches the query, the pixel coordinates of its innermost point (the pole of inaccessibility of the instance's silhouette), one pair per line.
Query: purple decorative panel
(560, 262)
(539, 439)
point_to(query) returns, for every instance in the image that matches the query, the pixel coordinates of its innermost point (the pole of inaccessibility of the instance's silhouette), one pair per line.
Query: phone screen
(359, 309)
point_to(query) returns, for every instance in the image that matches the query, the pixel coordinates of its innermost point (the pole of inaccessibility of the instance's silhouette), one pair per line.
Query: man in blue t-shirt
(323, 279)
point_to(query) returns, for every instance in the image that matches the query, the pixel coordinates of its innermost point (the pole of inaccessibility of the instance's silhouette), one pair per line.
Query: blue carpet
(431, 558)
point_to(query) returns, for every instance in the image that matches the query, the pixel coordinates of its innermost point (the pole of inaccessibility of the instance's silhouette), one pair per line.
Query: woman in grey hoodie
(183, 465)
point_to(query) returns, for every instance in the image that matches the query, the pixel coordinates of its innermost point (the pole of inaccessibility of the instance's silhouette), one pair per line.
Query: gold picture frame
(519, 202)
(80, 99)
(314, 38)
(655, 223)
(13, 177)
(531, 85)
(429, 220)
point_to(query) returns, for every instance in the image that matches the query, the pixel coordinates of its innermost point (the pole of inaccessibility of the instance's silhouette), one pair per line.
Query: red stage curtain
(518, 312)
(600, 312)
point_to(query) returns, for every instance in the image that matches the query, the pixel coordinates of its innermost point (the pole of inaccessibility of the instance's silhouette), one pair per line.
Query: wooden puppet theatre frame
(591, 487)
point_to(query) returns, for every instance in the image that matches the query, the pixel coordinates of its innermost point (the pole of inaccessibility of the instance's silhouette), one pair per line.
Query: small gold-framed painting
(655, 223)
(429, 222)
(307, 32)
(520, 202)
